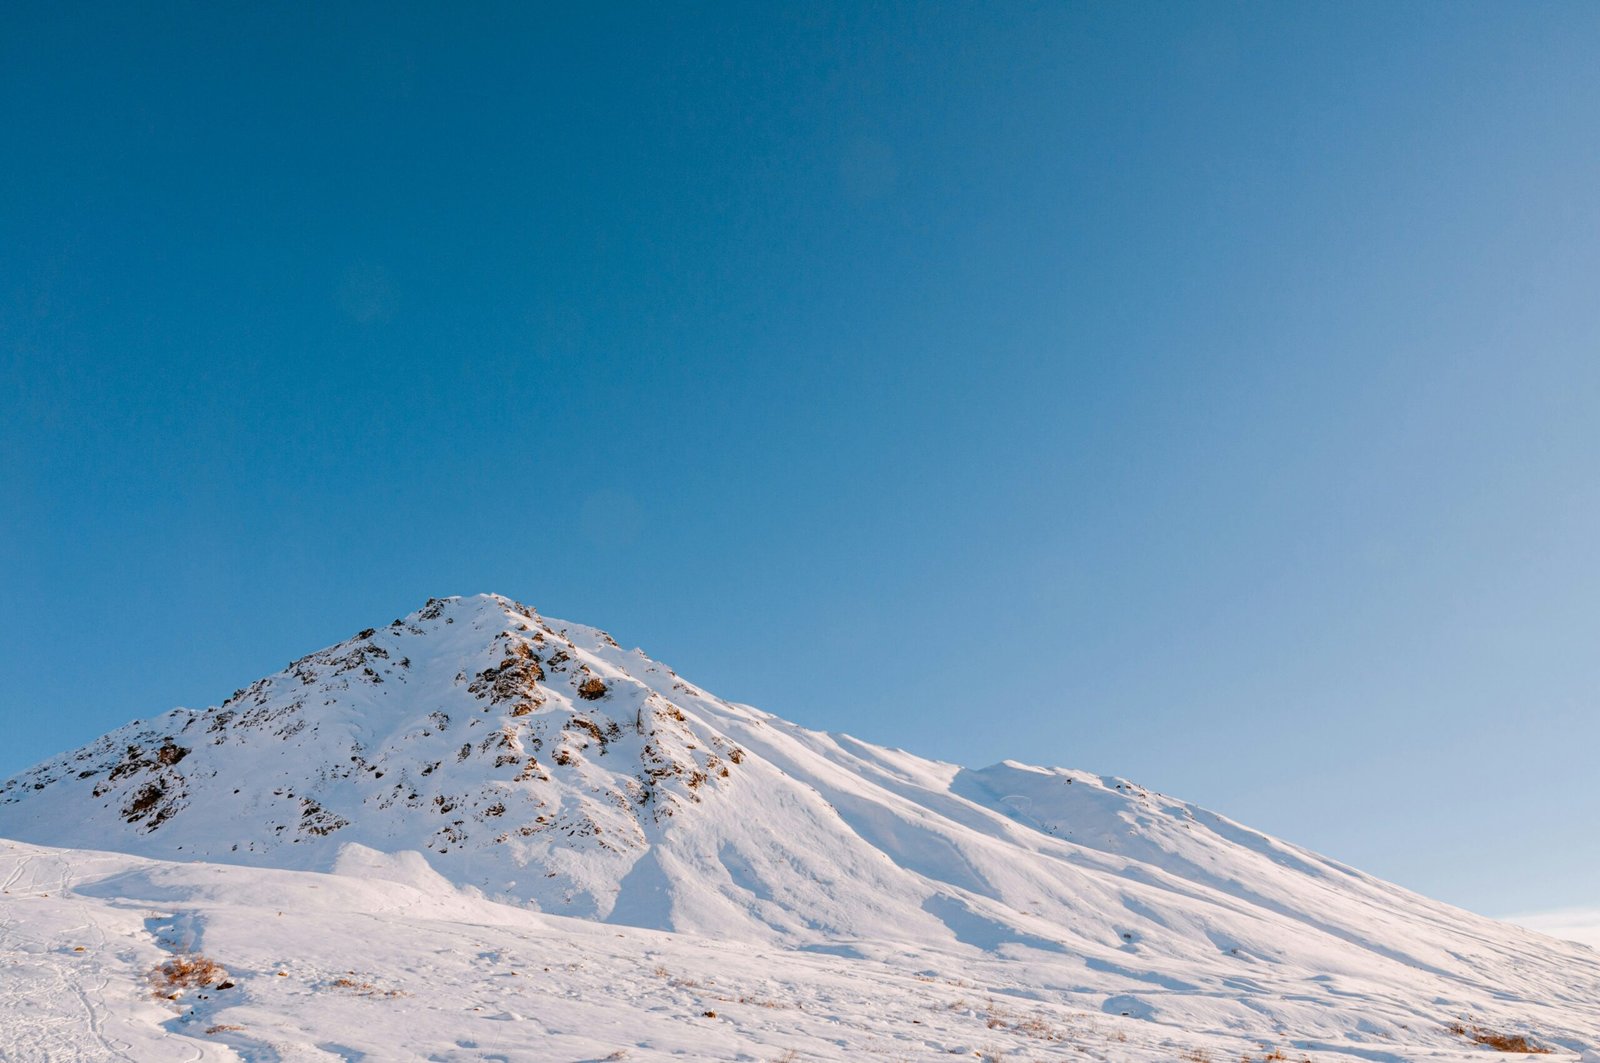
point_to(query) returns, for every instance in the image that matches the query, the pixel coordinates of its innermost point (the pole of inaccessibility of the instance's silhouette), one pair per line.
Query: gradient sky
(1205, 394)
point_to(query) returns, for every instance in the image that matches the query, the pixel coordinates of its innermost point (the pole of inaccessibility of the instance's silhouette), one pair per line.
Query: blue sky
(1201, 393)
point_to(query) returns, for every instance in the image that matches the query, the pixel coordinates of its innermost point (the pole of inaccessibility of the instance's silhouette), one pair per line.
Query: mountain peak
(471, 725)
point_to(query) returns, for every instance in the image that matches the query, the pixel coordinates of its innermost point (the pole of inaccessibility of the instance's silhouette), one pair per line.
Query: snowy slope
(539, 764)
(384, 960)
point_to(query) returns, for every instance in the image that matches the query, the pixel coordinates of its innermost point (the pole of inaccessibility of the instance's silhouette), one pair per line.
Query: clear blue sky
(1207, 394)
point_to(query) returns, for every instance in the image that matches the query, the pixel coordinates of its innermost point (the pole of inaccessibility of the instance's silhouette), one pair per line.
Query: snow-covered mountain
(536, 762)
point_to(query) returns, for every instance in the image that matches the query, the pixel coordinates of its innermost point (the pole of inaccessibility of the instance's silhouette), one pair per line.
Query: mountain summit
(540, 763)
(529, 757)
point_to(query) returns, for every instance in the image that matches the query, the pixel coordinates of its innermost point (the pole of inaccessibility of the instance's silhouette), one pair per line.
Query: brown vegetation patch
(1036, 1026)
(1500, 1042)
(192, 971)
(350, 983)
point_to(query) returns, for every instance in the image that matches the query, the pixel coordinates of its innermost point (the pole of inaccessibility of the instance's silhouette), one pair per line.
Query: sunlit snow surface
(479, 833)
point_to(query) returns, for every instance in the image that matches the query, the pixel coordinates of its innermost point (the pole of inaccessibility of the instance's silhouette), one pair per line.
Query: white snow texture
(482, 834)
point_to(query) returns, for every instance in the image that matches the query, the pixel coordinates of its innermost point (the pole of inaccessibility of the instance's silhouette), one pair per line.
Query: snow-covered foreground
(374, 839)
(385, 960)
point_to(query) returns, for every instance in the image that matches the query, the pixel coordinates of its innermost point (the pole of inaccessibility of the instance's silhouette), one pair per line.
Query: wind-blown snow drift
(540, 763)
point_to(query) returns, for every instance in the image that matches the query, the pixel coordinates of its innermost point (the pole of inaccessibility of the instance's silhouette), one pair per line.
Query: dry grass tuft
(763, 1002)
(1500, 1042)
(188, 972)
(1036, 1026)
(365, 989)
